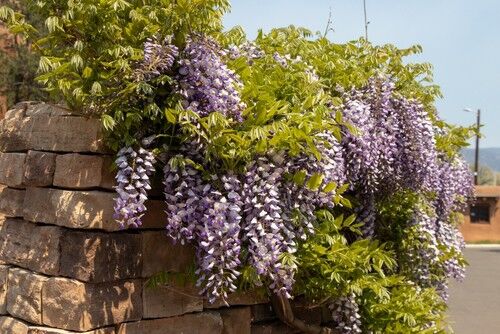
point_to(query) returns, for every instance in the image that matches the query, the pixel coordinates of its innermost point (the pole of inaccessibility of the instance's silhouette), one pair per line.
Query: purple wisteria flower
(281, 60)
(159, 58)
(248, 50)
(345, 313)
(454, 189)
(394, 149)
(199, 213)
(452, 186)
(261, 209)
(205, 82)
(266, 230)
(306, 201)
(134, 169)
(219, 240)
(185, 191)
(424, 255)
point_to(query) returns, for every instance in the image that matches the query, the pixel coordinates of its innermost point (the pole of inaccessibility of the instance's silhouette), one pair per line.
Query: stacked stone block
(66, 267)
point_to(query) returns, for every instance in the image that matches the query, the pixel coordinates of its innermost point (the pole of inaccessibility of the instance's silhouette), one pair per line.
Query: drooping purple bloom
(248, 50)
(134, 169)
(265, 229)
(210, 218)
(345, 313)
(205, 82)
(219, 241)
(159, 58)
(393, 150)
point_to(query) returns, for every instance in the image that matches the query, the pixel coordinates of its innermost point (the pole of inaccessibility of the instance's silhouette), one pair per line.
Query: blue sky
(460, 38)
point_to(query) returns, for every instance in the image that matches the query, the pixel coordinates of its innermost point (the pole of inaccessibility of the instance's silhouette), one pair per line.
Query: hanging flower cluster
(452, 185)
(134, 169)
(159, 58)
(394, 149)
(267, 228)
(205, 81)
(248, 50)
(426, 254)
(258, 209)
(345, 313)
(258, 217)
(263, 173)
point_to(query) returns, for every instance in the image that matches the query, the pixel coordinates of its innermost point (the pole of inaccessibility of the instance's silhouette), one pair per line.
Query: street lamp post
(476, 153)
(366, 20)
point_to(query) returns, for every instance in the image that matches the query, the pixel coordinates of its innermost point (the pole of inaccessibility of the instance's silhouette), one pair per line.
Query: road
(475, 303)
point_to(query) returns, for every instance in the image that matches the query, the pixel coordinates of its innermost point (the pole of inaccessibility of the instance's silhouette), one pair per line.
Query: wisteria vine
(258, 217)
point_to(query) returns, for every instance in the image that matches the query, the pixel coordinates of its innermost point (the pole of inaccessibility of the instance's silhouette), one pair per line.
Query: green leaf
(108, 122)
(96, 88)
(300, 177)
(315, 181)
(330, 187)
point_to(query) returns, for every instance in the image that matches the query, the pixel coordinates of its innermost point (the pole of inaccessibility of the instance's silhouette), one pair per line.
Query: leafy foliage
(269, 167)
(19, 63)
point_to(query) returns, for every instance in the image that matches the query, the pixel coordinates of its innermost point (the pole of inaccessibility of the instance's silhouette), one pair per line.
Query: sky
(460, 38)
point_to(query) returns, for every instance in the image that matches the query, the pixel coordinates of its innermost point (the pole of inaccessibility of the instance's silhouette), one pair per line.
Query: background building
(482, 221)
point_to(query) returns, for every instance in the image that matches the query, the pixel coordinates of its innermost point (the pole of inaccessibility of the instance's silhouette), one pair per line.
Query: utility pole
(476, 157)
(476, 153)
(366, 20)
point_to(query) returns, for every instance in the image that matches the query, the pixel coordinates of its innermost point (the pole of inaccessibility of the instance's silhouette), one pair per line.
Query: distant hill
(487, 156)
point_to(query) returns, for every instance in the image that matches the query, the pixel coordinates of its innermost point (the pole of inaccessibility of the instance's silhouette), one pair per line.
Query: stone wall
(65, 265)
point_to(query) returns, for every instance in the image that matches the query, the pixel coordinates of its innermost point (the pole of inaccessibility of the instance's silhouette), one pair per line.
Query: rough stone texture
(197, 323)
(11, 169)
(83, 171)
(160, 253)
(30, 246)
(155, 216)
(157, 186)
(4, 275)
(236, 320)
(40, 206)
(17, 112)
(46, 330)
(77, 306)
(41, 108)
(109, 173)
(168, 301)
(74, 209)
(273, 328)
(45, 132)
(10, 325)
(11, 201)
(9, 139)
(303, 311)
(241, 298)
(87, 256)
(326, 315)
(82, 209)
(24, 295)
(262, 312)
(39, 168)
(100, 257)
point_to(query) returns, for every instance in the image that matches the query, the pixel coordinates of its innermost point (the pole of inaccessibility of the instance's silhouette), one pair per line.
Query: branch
(283, 310)
(329, 23)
